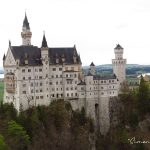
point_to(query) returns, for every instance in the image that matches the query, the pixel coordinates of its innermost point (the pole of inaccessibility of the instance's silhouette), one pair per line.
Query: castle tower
(26, 34)
(45, 62)
(119, 64)
(92, 69)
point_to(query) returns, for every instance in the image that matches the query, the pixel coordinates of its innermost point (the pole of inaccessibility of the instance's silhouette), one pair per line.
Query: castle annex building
(37, 76)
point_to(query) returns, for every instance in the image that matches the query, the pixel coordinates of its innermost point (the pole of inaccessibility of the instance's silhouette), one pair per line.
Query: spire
(9, 43)
(4, 57)
(26, 23)
(118, 46)
(92, 64)
(44, 42)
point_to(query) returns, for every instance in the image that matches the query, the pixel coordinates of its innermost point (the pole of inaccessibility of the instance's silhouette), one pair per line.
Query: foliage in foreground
(55, 127)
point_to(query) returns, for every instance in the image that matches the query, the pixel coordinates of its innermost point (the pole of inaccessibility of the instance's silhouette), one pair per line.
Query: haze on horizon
(94, 26)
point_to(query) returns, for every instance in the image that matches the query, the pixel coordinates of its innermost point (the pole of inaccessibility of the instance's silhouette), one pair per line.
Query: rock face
(145, 125)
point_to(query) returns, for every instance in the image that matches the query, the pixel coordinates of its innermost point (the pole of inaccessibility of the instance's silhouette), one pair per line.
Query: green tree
(3, 146)
(18, 133)
(143, 97)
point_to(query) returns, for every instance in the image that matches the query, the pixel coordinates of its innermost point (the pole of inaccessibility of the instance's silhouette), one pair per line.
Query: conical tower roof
(26, 23)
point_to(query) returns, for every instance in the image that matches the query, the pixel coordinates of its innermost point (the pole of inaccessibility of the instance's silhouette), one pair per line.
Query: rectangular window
(41, 90)
(41, 97)
(23, 70)
(56, 76)
(24, 92)
(31, 84)
(37, 97)
(29, 78)
(40, 77)
(41, 84)
(23, 78)
(32, 91)
(60, 69)
(29, 70)
(54, 69)
(36, 91)
(40, 70)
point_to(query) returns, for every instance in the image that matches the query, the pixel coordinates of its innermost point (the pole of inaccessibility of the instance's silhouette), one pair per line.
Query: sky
(94, 26)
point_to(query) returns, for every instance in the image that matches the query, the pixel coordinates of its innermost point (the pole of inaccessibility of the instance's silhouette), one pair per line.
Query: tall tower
(26, 34)
(92, 69)
(119, 64)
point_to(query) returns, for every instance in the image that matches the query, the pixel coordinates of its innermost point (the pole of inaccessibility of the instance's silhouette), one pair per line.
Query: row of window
(29, 70)
(50, 83)
(52, 76)
(104, 81)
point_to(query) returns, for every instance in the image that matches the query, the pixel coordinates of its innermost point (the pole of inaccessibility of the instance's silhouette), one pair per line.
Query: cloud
(122, 25)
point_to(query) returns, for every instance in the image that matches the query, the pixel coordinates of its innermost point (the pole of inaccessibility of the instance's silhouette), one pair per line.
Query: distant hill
(131, 69)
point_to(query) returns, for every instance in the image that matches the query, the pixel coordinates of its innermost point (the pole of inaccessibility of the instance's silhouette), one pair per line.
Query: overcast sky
(95, 26)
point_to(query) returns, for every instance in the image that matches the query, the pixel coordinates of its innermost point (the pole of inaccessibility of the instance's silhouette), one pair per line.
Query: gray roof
(33, 54)
(26, 23)
(82, 83)
(105, 77)
(44, 42)
(66, 53)
(92, 64)
(118, 46)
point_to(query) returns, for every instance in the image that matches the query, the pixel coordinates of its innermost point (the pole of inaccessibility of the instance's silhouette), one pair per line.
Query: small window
(23, 70)
(40, 70)
(24, 92)
(41, 97)
(60, 69)
(29, 70)
(54, 69)
(67, 94)
(29, 78)
(41, 84)
(23, 78)
(56, 76)
(40, 77)
(41, 90)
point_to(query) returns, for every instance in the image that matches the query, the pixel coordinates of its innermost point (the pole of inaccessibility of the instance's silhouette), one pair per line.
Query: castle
(36, 76)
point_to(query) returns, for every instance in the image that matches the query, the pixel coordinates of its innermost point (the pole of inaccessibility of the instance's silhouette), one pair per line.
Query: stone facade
(37, 76)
